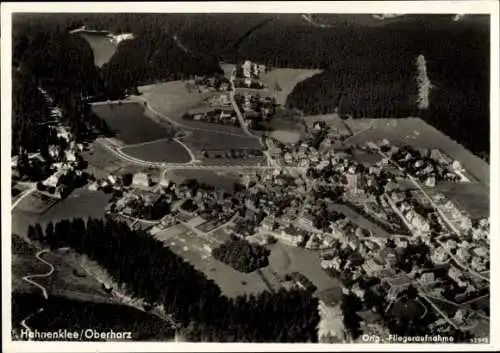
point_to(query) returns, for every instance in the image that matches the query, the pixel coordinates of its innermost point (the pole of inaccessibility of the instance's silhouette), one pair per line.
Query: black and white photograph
(191, 174)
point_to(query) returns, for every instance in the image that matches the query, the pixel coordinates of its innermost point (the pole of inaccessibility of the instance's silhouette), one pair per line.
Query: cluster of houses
(248, 75)
(204, 84)
(223, 116)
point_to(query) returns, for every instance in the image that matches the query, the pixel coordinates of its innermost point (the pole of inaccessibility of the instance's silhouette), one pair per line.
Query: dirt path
(28, 279)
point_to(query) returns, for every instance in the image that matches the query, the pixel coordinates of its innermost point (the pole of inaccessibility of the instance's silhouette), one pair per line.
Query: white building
(141, 179)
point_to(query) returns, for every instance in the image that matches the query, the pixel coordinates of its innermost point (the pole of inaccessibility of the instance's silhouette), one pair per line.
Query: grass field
(285, 259)
(220, 179)
(36, 203)
(191, 248)
(174, 100)
(102, 47)
(254, 161)
(68, 279)
(101, 161)
(200, 140)
(164, 150)
(286, 79)
(416, 133)
(130, 122)
(333, 120)
(473, 198)
(80, 203)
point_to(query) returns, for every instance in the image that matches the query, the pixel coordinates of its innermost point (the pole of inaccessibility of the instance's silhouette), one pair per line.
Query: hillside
(368, 64)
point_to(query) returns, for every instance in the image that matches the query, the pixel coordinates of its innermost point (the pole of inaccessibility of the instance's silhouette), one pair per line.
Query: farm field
(102, 47)
(80, 203)
(173, 100)
(200, 140)
(286, 79)
(164, 150)
(191, 248)
(131, 123)
(416, 133)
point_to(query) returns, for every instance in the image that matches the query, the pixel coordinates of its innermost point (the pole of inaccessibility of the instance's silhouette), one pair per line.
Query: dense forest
(369, 66)
(242, 255)
(153, 272)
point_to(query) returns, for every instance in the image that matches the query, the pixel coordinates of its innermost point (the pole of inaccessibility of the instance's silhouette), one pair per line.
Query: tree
(127, 179)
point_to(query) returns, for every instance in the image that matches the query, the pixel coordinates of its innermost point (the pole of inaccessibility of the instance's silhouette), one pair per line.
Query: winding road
(28, 279)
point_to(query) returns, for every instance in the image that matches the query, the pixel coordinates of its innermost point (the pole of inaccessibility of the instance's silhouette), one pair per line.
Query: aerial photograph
(250, 177)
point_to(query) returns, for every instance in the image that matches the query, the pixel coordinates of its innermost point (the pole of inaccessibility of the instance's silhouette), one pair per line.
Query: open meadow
(472, 198)
(101, 161)
(286, 80)
(173, 99)
(163, 150)
(80, 203)
(191, 247)
(416, 133)
(220, 179)
(201, 140)
(130, 123)
(102, 47)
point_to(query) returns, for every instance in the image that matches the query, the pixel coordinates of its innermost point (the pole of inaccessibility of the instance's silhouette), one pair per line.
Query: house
(427, 278)
(480, 251)
(463, 255)
(302, 281)
(372, 267)
(439, 255)
(357, 291)
(401, 242)
(141, 179)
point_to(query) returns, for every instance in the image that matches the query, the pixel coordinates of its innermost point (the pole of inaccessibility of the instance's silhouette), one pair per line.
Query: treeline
(153, 272)
(29, 111)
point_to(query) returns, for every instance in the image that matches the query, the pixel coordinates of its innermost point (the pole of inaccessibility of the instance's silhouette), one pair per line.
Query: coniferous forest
(369, 70)
(153, 272)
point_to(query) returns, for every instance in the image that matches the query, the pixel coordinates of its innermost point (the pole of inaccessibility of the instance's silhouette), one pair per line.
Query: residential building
(141, 179)
(427, 278)
(372, 267)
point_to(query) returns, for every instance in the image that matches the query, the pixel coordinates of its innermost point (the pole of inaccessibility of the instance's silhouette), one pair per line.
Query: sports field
(130, 123)
(164, 150)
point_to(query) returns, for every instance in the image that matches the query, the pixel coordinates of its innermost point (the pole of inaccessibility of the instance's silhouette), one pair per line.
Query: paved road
(237, 109)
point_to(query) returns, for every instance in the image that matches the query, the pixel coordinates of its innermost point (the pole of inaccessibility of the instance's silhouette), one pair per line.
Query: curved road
(28, 279)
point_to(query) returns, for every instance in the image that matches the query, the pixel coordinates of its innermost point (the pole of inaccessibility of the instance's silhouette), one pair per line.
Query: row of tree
(153, 272)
